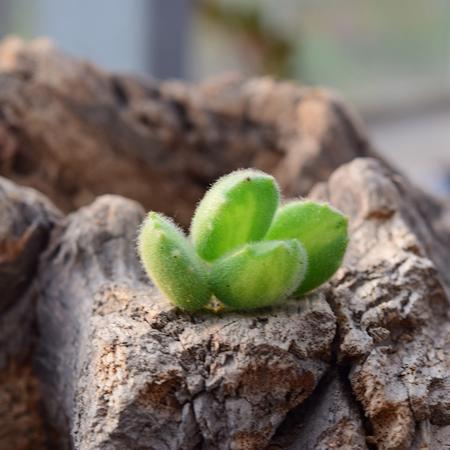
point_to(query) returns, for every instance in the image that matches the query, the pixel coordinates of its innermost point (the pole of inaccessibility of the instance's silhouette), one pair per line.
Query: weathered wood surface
(92, 356)
(26, 219)
(390, 304)
(133, 372)
(73, 132)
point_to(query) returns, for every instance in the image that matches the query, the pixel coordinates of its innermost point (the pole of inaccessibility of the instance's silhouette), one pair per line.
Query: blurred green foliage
(246, 20)
(371, 50)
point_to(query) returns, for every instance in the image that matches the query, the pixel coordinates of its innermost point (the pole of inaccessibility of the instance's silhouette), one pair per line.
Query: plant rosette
(244, 248)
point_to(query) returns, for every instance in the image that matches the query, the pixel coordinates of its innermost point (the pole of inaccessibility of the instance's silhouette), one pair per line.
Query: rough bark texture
(74, 132)
(329, 419)
(392, 311)
(93, 357)
(26, 219)
(137, 373)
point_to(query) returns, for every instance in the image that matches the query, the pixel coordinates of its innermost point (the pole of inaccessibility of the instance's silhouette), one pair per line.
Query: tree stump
(93, 357)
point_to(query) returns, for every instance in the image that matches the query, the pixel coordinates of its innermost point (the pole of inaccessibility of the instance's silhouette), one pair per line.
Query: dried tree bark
(391, 307)
(93, 357)
(73, 132)
(26, 219)
(134, 372)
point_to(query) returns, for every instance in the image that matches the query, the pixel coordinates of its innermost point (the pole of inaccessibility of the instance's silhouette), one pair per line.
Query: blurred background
(391, 58)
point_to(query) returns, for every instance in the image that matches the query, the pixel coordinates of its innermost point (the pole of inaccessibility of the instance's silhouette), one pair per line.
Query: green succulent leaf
(237, 209)
(172, 264)
(321, 229)
(258, 274)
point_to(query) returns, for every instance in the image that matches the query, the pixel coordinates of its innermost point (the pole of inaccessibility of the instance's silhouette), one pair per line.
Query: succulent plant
(172, 263)
(237, 209)
(243, 247)
(323, 232)
(258, 274)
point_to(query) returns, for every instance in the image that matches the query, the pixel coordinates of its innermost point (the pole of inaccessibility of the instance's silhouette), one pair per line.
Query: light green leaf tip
(321, 229)
(237, 209)
(172, 264)
(258, 274)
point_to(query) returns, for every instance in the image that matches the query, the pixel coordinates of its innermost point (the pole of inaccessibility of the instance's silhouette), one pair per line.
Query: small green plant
(171, 261)
(243, 247)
